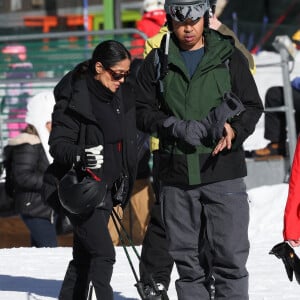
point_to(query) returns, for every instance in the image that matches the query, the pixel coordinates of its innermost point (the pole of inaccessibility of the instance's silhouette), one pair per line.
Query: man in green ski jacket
(201, 126)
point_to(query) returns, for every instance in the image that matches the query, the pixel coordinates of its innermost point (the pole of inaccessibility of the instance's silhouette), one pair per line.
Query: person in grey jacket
(29, 154)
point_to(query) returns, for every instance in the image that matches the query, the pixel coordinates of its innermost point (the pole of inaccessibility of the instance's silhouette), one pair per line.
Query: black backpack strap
(161, 61)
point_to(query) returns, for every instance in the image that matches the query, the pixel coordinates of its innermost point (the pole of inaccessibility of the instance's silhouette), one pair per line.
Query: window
(37, 3)
(16, 5)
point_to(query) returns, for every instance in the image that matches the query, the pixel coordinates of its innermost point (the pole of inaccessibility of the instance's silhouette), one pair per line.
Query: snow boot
(210, 285)
(149, 292)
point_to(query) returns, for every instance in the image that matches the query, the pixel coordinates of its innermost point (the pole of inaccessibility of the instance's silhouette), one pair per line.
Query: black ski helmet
(179, 10)
(204, 3)
(213, 2)
(79, 193)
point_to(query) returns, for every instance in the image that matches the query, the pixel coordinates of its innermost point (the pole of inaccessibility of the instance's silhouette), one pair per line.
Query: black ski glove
(193, 131)
(92, 158)
(189, 131)
(289, 258)
(229, 107)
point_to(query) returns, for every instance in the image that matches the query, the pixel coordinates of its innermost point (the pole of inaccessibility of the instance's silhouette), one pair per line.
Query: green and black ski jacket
(222, 68)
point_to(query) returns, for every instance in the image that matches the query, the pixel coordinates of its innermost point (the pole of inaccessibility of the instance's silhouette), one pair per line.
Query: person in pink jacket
(291, 231)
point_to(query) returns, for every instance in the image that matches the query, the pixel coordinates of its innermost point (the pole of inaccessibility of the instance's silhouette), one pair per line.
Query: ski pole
(90, 294)
(114, 214)
(123, 243)
(139, 285)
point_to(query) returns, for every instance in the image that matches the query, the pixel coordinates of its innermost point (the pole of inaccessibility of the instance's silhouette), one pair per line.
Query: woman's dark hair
(30, 129)
(109, 53)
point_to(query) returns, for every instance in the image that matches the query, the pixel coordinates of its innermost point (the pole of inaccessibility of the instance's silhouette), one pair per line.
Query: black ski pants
(155, 258)
(275, 122)
(93, 258)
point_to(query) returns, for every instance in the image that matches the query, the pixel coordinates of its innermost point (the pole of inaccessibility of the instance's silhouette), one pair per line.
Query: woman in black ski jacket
(95, 102)
(28, 156)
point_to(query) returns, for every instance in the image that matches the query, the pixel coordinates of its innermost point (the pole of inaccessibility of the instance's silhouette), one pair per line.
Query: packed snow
(34, 274)
(31, 273)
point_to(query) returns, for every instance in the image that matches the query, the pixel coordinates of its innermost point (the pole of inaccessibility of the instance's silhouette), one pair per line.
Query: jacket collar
(216, 52)
(80, 99)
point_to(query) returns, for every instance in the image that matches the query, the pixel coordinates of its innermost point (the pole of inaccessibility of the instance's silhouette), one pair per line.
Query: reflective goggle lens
(180, 13)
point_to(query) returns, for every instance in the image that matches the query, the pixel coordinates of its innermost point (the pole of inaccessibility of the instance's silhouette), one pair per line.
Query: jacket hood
(39, 112)
(73, 88)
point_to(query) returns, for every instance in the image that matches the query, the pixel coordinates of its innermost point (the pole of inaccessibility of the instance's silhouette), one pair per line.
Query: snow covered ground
(34, 274)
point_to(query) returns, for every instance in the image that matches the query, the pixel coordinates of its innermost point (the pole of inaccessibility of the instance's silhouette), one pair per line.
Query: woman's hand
(294, 243)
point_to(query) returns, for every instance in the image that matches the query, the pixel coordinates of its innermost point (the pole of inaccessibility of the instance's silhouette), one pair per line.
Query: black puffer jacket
(29, 163)
(74, 108)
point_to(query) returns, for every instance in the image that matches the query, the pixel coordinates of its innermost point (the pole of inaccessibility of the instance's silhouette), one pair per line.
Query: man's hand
(216, 119)
(226, 141)
(190, 131)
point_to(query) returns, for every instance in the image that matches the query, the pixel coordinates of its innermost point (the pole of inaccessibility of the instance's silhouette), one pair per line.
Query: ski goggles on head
(180, 13)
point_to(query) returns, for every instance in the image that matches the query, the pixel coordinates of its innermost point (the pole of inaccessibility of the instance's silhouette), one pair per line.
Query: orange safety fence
(49, 22)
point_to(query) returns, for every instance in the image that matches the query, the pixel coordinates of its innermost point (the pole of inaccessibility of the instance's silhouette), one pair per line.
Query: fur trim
(24, 138)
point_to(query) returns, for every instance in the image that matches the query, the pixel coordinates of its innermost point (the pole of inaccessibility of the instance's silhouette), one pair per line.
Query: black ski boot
(210, 285)
(156, 291)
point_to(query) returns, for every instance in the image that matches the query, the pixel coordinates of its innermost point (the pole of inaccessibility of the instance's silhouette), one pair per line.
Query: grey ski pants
(225, 208)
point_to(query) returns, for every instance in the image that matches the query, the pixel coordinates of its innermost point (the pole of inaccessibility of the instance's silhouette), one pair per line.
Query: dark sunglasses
(117, 76)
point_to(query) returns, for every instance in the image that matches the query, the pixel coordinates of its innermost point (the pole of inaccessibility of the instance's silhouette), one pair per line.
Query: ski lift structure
(287, 50)
(112, 16)
(269, 172)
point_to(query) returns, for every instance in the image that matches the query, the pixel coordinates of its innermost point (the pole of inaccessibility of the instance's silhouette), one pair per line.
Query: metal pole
(288, 100)
(287, 52)
(1, 138)
(117, 13)
(66, 34)
(86, 25)
(86, 15)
